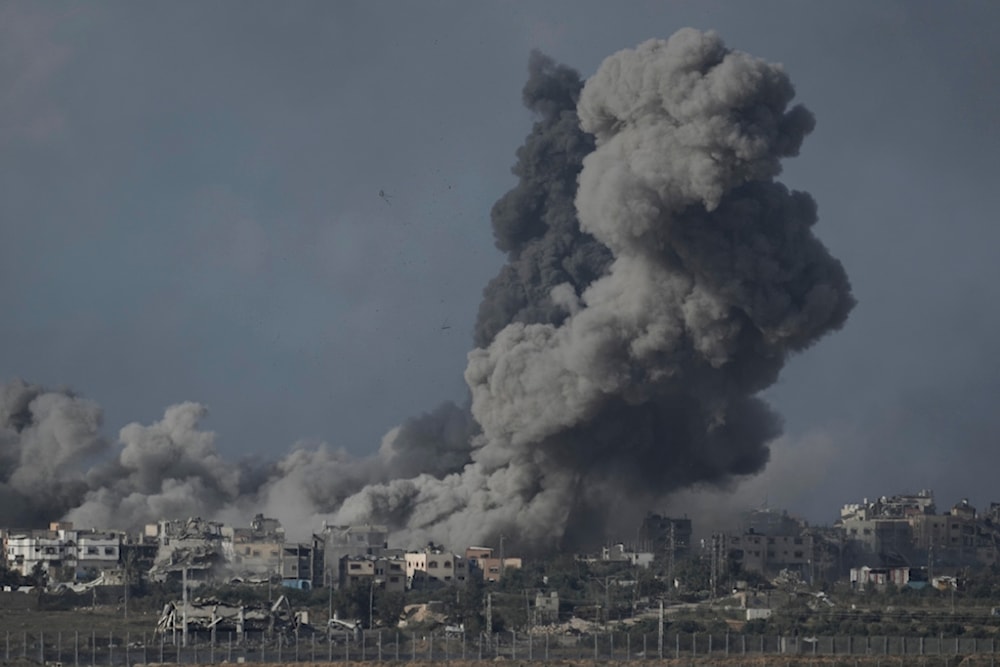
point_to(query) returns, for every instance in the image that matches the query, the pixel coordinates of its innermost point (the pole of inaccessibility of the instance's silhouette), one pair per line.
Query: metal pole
(41, 648)
(659, 634)
(93, 647)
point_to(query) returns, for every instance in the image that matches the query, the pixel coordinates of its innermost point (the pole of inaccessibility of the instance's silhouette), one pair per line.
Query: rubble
(211, 615)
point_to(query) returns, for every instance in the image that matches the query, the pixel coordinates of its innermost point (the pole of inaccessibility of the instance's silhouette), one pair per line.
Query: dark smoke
(535, 223)
(658, 277)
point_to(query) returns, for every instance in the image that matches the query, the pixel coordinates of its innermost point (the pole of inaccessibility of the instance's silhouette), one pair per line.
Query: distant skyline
(282, 212)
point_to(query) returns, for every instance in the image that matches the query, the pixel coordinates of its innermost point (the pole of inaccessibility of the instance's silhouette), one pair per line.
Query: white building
(62, 550)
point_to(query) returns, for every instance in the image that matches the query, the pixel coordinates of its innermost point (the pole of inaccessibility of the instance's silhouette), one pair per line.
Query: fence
(96, 650)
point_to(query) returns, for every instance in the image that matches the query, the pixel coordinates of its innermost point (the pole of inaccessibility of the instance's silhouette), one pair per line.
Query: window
(92, 551)
(433, 563)
(109, 551)
(798, 540)
(798, 554)
(355, 566)
(447, 564)
(394, 580)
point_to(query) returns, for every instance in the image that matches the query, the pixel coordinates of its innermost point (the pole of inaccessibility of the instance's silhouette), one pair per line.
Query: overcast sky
(281, 210)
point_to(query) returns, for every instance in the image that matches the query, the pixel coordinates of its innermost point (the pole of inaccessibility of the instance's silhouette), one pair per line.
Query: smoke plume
(646, 381)
(657, 279)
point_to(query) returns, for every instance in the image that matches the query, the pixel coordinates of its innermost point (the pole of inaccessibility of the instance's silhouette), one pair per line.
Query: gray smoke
(535, 223)
(658, 277)
(46, 437)
(646, 382)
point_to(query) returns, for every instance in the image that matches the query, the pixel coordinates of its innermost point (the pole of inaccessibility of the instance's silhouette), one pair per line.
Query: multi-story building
(62, 551)
(386, 572)
(768, 554)
(341, 541)
(433, 566)
(490, 569)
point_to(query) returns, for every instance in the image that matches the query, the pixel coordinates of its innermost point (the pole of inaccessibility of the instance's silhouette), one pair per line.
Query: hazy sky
(281, 210)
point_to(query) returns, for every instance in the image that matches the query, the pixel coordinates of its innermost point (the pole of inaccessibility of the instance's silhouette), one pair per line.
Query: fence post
(595, 646)
(677, 646)
(694, 644)
(41, 648)
(93, 648)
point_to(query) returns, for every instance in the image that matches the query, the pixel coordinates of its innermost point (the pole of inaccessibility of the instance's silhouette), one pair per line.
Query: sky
(282, 212)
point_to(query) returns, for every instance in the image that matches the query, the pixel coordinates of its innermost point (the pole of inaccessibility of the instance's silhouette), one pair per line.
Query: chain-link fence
(95, 649)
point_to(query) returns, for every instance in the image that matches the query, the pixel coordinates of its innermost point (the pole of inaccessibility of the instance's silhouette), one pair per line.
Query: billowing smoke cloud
(657, 279)
(646, 383)
(45, 439)
(535, 223)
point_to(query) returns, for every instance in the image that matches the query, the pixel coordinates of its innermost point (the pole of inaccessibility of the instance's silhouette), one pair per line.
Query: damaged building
(213, 617)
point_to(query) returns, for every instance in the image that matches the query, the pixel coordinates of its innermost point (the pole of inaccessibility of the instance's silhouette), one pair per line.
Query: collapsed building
(212, 617)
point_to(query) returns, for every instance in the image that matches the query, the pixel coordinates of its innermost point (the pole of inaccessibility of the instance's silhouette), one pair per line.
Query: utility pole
(659, 633)
(184, 614)
(671, 550)
(501, 555)
(489, 614)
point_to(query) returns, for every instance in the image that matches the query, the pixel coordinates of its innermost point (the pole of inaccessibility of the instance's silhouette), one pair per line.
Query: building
(341, 541)
(619, 553)
(433, 567)
(769, 554)
(482, 564)
(547, 607)
(386, 572)
(187, 547)
(63, 552)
